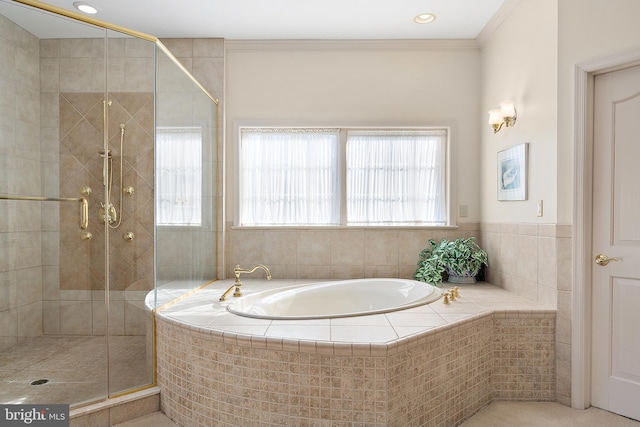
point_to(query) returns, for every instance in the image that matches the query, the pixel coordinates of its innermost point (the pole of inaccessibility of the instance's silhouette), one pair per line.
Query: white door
(615, 370)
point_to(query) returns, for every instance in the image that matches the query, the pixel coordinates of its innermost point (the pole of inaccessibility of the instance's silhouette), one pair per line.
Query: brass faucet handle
(456, 291)
(446, 297)
(452, 294)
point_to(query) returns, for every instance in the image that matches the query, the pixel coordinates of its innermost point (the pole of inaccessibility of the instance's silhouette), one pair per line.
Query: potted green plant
(461, 259)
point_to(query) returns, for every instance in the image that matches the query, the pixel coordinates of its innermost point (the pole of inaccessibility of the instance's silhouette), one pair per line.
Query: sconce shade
(505, 115)
(495, 117)
(507, 109)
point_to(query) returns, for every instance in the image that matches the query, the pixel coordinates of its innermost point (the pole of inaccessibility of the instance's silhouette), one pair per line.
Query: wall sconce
(505, 115)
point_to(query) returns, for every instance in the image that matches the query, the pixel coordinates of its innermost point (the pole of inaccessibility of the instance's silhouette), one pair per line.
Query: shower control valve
(128, 236)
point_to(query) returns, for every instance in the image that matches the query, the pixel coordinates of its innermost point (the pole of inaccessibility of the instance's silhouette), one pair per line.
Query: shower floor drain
(39, 382)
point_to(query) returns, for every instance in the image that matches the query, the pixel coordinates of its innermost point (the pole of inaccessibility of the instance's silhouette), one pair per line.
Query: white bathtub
(342, 298)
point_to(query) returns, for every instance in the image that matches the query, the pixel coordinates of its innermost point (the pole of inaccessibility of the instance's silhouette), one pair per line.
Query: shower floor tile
(75, 367)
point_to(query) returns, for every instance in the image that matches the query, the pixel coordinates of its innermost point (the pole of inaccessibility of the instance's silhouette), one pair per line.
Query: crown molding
(494, 23)
(360, 45)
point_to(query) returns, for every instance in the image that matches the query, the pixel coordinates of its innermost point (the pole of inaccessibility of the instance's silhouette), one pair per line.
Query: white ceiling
(294, 19)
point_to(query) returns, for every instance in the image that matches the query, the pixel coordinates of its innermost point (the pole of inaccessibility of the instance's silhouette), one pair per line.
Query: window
(289, 176)
(396, 177)
(297, 177)
(179, 176)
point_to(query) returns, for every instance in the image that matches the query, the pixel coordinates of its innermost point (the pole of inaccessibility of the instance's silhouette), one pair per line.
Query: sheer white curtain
(289, 176)
(179, 176)
(396, 177)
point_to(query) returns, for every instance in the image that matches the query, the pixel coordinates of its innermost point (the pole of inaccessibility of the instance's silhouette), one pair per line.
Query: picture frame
(512, 173)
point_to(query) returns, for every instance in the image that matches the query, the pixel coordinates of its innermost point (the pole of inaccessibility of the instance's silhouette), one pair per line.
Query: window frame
(207, 176)
(342, 166)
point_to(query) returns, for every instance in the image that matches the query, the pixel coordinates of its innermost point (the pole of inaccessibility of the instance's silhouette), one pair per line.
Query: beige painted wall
(519, 63)
(587, 31)
(340, 83)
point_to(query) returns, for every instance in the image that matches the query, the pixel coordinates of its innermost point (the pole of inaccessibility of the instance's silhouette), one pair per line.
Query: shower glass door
(95, 126)
(128, 210)
(52, 282)
(186, 160)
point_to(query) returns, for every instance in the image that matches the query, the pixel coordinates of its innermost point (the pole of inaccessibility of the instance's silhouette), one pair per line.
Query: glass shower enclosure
(91, 119)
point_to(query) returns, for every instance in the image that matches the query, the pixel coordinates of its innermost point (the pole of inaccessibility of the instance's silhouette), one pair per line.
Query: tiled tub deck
(433, 365)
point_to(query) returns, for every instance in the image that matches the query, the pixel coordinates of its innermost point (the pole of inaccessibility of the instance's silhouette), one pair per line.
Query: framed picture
(512, 173)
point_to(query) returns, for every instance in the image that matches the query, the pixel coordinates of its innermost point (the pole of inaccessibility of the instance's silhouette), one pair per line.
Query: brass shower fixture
(107, 211)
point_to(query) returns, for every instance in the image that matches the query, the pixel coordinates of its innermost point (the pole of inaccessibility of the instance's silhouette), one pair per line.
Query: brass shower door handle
(603, 260)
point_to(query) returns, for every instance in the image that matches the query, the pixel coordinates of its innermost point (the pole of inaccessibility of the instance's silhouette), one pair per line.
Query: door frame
(581, 314)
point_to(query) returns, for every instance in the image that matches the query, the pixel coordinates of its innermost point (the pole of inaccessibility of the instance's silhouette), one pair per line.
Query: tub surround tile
(373, 320)
(363, 333)
(203, 311)
(458, 306)
(311, 332)
(410, 331)
(438, 376)
(404, 318)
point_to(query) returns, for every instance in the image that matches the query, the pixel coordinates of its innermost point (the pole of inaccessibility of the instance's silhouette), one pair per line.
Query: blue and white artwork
(512, 173)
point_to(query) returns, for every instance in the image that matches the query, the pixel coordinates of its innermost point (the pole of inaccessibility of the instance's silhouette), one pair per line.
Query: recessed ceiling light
(86, 8)
(425, 18)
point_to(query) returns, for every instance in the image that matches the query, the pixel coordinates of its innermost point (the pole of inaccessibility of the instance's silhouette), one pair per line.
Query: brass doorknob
(603, 260)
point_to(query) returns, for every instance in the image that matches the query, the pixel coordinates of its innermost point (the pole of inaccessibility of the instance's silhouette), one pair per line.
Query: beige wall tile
(564, 264)
(30, 320)
(208, 48)
(528, 229)
(181, 48)
(548, 261)
(76, 317)
(347, 248)
(139, 74)
(563, 328)
(82, 48)
(381, 248)
(51, 317)
(346, 272)
(383, 271)
(527, 258)
(82, 74)
(313, 248)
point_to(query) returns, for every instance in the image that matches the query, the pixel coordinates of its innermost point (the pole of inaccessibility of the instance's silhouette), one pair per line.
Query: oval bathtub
(344, 298)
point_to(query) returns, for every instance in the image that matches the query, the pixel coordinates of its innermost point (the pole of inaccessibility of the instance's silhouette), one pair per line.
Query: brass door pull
(603, 260)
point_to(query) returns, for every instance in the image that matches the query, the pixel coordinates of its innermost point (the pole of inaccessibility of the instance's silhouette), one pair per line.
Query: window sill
(344, 227)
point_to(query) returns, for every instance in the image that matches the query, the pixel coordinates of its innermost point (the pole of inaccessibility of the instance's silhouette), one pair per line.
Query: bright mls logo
(34, 415)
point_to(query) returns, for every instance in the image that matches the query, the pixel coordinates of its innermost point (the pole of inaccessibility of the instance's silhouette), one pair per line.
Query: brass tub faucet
(236, 272)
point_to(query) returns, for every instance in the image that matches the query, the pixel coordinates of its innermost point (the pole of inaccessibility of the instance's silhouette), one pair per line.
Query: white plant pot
(467, 277)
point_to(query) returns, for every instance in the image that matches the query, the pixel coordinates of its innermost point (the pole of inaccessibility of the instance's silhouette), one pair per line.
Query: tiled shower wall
(534, 260)
(72, 93)
(21, 254)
